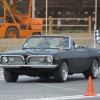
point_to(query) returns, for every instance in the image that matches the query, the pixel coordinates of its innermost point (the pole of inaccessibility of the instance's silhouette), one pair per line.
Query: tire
(61, 74)
(10, 76)
(12, 33)
(36, 33)
(93, 71)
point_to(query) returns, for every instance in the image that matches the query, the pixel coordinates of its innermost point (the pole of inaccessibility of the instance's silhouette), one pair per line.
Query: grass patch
(67, 31)
(76, 31)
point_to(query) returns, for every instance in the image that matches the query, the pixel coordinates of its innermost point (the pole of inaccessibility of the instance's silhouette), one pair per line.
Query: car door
(79, 59)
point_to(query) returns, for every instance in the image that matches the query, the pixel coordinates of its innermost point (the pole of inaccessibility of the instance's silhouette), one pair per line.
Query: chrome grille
(15, 60)
(36, 60)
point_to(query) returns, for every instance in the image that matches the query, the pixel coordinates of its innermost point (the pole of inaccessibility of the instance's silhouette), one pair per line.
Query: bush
(67, 31)
(76, 31)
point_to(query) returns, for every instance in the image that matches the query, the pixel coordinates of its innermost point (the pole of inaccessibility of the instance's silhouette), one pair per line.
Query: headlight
(49, 59)
(4, 59)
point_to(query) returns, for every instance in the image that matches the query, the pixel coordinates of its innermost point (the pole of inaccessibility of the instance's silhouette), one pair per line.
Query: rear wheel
(12, 33)
(93, 71)
(61, 74)
(10, 76)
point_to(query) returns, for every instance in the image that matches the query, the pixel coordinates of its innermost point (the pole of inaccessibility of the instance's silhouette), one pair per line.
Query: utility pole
(46, 15)
(33, 8)
(96, 13)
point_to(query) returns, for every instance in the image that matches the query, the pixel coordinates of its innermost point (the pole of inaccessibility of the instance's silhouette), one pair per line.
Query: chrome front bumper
(32, 66)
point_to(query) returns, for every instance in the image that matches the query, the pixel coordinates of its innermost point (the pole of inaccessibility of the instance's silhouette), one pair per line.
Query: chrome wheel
(61, 73)
(64, 71)
(93, 71)
(95, 68)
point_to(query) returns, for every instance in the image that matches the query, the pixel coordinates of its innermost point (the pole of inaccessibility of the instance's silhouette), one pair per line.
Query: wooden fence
(51, 25)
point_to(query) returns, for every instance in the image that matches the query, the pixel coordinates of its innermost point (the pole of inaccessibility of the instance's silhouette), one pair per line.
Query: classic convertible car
(50, 56)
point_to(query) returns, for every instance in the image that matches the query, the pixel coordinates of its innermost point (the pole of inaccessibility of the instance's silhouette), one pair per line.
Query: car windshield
(46, 42)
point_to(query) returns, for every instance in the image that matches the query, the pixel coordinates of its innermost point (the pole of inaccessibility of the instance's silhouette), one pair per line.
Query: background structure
(69, 9)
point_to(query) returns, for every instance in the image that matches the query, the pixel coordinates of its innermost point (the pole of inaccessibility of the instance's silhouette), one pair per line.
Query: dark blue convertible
(50, 56)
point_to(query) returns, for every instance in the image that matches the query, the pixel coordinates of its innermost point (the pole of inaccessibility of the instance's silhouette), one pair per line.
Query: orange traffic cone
(90, 91)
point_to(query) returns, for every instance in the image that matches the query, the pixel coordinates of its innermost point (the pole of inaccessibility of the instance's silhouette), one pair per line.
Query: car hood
(24, 52)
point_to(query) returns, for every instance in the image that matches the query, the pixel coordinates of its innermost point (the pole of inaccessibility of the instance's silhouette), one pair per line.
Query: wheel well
(92, 61)
(61, 62)
(97, 59)
(12, 27)
(66, 61)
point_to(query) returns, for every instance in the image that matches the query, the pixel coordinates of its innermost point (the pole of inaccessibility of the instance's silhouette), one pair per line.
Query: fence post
(50, 24)
(89, 24)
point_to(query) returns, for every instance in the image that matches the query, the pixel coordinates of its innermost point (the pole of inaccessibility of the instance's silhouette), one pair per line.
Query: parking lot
(29, 88)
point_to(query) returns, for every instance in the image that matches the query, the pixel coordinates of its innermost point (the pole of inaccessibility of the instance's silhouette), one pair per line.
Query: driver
(42, 43)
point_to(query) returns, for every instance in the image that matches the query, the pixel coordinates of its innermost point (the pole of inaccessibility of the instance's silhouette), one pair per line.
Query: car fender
(63, 55)
(91, 54)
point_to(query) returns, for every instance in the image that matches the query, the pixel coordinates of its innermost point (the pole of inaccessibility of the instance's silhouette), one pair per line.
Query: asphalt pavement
(30, 88)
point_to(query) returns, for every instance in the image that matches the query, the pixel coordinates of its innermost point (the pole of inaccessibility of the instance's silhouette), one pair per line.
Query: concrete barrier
(13, 44)
(10, 44)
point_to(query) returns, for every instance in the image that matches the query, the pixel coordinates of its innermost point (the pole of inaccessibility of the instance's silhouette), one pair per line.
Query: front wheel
(61, 74)
(93, 71)
(12, 33)
(10, 76)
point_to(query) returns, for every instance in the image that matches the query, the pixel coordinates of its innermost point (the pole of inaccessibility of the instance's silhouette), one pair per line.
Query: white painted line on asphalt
(60, 87)
(1, 76)
(64, 97)
(19, 76)
(4, 79)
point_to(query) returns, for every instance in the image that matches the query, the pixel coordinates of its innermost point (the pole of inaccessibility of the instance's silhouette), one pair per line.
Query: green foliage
(76, 31)
(67, 31)
(56, 32)
(99, 29)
